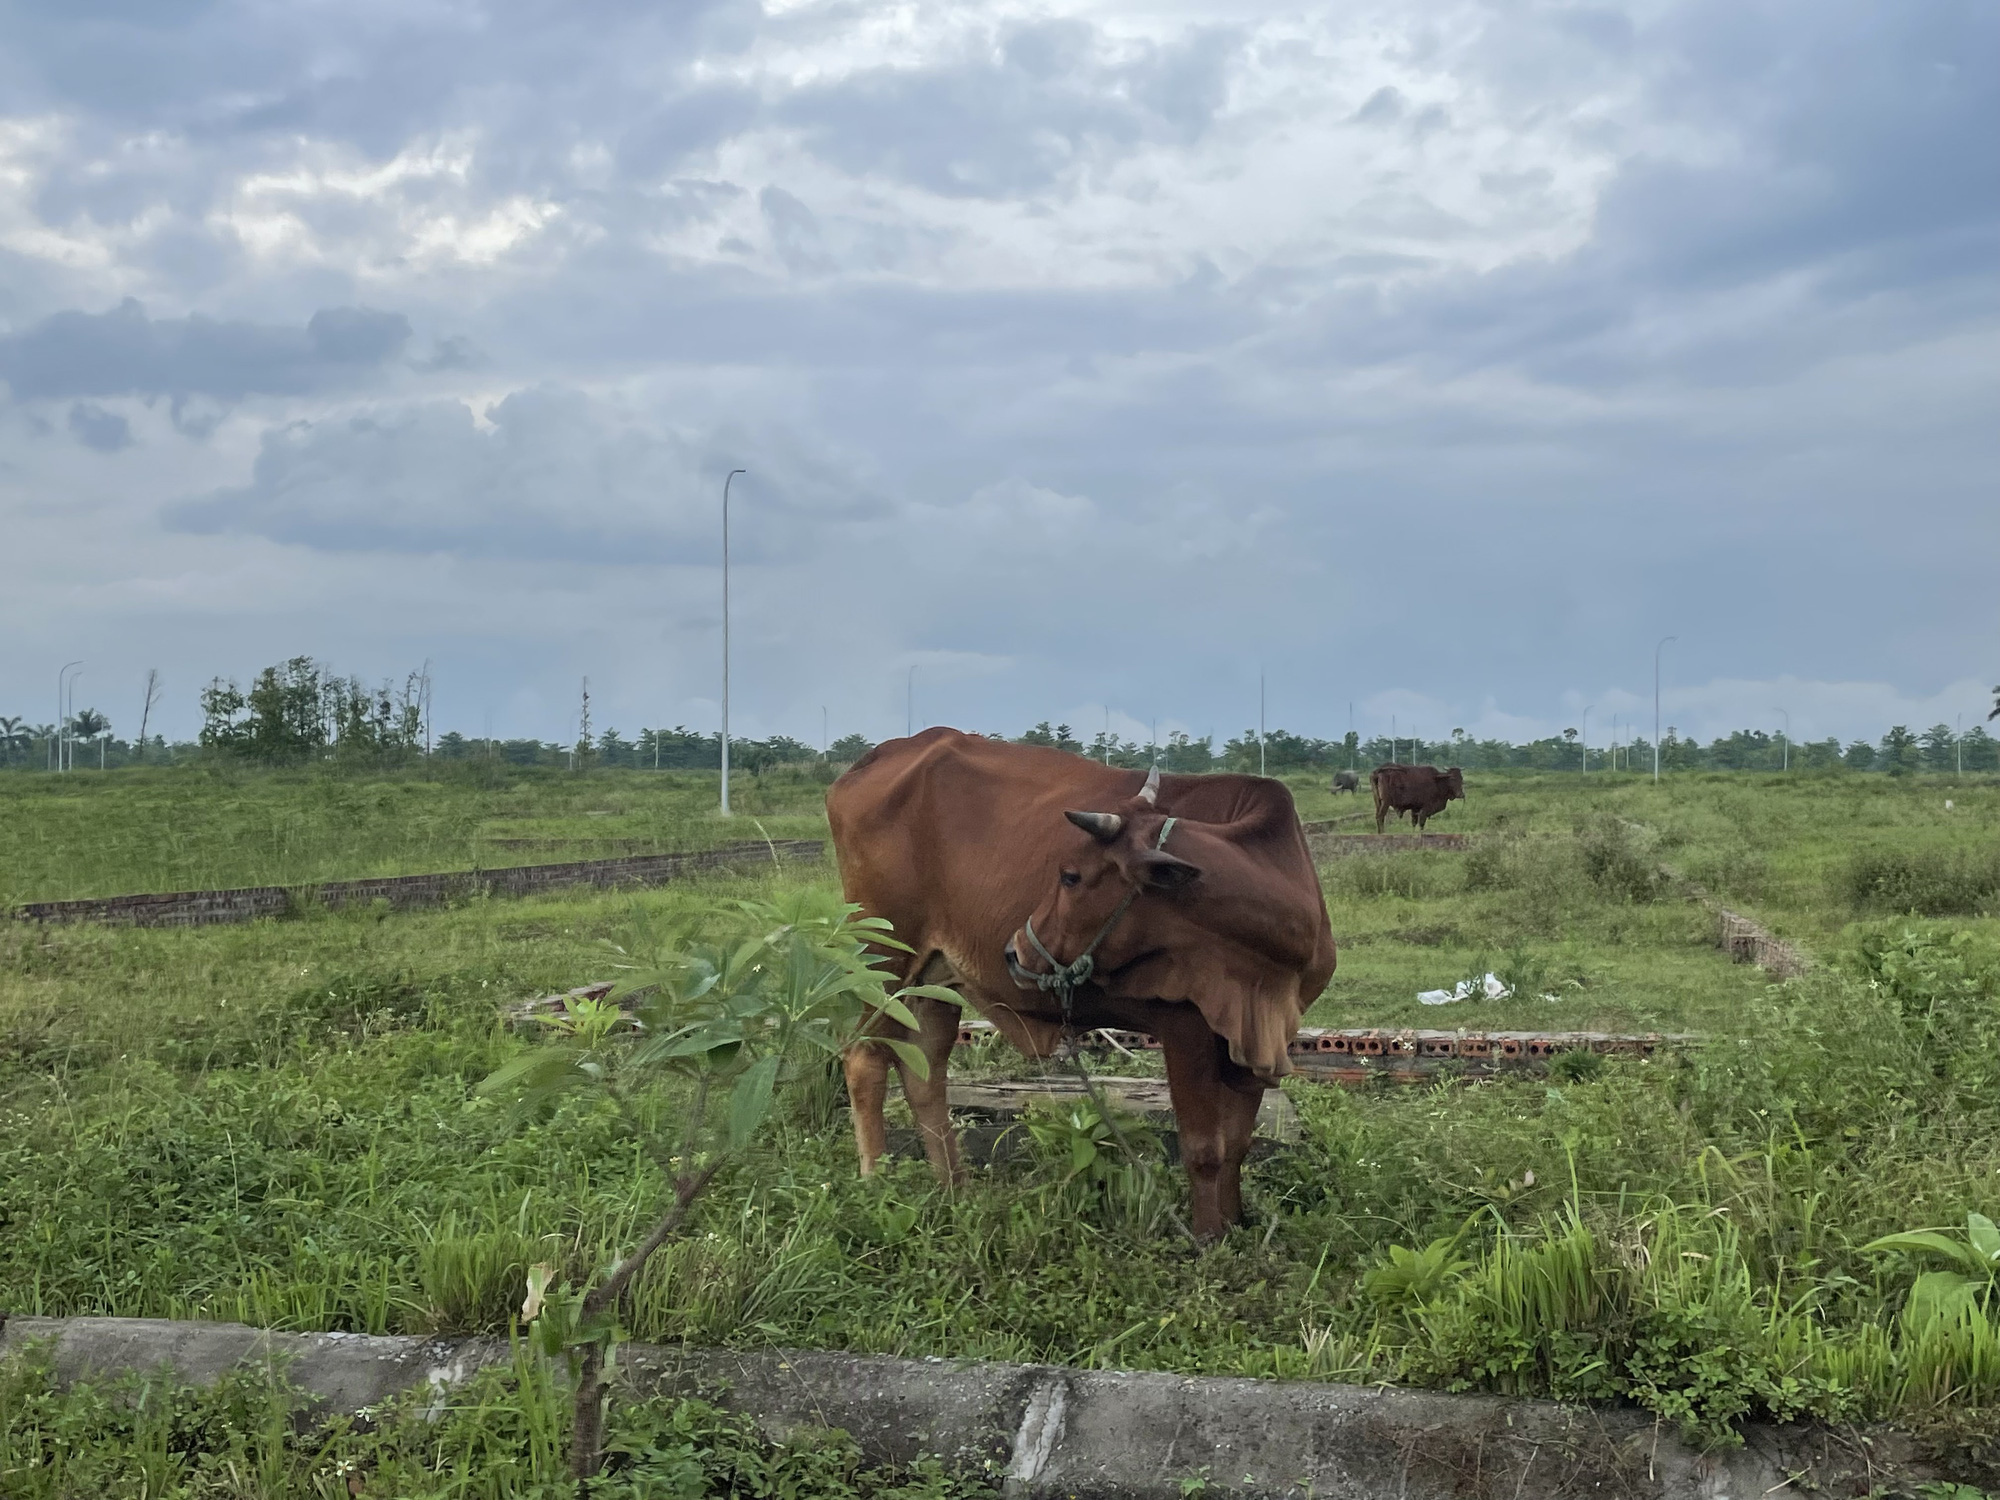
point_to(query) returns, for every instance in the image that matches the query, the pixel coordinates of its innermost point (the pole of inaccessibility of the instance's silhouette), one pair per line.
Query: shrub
(1922, 882)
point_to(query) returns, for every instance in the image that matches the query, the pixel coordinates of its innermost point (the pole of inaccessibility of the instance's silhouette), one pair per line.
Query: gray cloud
(1019, 111)
(124, 352)
(1703, 346)
(549, 473)
(99, 430)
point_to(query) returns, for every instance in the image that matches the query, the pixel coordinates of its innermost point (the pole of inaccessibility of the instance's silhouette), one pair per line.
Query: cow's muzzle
(1024, 978)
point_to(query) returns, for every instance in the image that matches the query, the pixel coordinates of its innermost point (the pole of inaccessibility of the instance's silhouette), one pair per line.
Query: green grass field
(207, 829)
(276, 1122)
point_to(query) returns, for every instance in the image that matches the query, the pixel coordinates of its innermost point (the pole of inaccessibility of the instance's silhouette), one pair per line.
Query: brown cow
(1420, 791)
(1194, 898)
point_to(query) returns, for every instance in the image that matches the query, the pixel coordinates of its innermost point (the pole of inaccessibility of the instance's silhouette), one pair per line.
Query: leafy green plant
(1080, 1136)
(1408, 1279)
(1974, 1261)
(1577, 1065)
(688, 1074)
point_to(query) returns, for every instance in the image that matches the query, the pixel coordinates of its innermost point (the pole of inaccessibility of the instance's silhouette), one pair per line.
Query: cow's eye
(1070, 877)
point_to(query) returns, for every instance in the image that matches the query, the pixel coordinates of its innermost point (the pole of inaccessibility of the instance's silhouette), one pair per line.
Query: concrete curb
(1050, 1433)
(410, 892)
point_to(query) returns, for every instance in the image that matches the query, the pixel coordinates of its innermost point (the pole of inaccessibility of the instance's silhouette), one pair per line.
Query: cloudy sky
(1435, 357)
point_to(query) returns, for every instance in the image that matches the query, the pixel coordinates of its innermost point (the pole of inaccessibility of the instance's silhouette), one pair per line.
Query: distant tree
(1041, 734)
(790, 752)
(88, 724)
(14, 738)
(1982, 750)
(452, 745)
(1820, 754)
(849, 748)
(1940, 748)
(1185, 754)
(1569, 736)
(281, 718)
(1860, 756)
(1676, 753)
(1899, 750)
(613, 750)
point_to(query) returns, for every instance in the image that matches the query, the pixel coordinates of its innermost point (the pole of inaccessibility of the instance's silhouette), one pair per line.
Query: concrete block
(1050, 1433)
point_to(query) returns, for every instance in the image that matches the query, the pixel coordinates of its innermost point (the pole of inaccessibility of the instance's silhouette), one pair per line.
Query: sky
(1419, 363)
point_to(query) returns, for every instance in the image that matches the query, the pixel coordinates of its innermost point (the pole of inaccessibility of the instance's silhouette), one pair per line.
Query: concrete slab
(1049, 1433)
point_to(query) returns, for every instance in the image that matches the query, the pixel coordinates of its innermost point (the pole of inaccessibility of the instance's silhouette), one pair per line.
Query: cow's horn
(1150, 792)
(1104, 827)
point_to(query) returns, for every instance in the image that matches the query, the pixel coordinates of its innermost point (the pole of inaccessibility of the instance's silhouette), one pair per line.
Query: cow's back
(934, 833)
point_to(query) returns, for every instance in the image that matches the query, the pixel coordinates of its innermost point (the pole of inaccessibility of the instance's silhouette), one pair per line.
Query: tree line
(302, 712)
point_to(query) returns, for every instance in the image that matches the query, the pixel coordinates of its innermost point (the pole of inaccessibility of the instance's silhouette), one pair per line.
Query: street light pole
(59, 713)
(725, 636)
(62, 733)
(1656, 704)
(1260, 723)
(1786, 765)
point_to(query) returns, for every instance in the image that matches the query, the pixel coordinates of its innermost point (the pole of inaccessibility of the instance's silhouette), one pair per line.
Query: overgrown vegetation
(281, 1124)
(1925, 882)
(503, 1436)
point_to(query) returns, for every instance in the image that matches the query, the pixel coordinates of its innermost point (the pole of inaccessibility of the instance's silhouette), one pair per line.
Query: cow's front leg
(938, 1034)
(867, 1070)
(1202, 1118)
(1239, 1101)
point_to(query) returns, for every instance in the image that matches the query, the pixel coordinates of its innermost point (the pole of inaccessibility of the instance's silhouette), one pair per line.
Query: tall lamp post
(1656, 704)
(1786, 765)
(725, 636)
(62, 732)
(1260, 724)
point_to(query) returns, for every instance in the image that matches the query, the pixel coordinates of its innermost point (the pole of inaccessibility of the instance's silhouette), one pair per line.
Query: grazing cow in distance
(1049, 889)
(1420, 791)
(1346, 781)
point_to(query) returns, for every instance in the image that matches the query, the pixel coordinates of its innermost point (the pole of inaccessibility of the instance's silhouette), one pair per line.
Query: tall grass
(1929, 882)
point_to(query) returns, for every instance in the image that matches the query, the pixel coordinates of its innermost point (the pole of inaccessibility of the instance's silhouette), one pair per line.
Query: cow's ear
(1160, 871)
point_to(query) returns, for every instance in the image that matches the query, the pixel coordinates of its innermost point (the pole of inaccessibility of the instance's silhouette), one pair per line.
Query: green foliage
(1407, 1280)
(690, 1072)
(1928, 882)
(502, 1436)
(279, 1123)
(299, 710)
(1967, 1288)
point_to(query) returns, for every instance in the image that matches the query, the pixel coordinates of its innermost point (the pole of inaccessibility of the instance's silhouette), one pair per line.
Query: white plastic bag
(1490, 987)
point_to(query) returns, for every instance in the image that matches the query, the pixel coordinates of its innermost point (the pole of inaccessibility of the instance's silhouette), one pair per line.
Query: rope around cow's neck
(1064, 980)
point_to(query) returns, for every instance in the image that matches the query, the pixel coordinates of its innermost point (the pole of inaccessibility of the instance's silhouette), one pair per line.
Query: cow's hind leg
(938, 1021)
